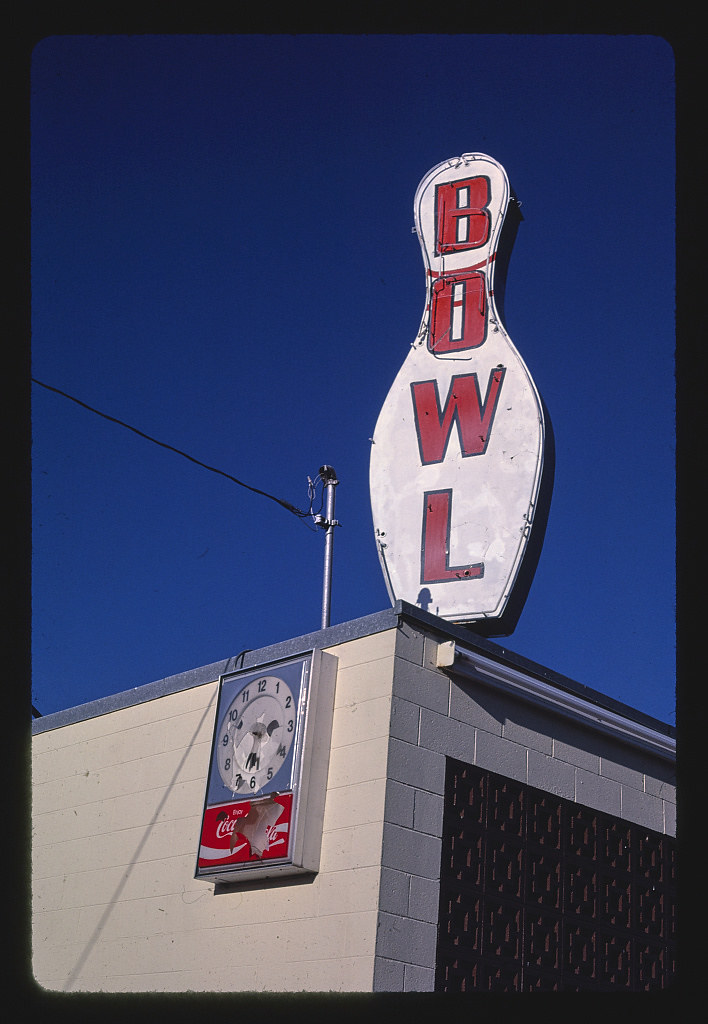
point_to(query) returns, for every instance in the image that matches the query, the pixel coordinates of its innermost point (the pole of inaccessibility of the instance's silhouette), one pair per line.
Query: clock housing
(267, 778)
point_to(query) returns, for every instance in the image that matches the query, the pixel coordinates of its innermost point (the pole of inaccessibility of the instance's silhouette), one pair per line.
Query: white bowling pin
(457, 453)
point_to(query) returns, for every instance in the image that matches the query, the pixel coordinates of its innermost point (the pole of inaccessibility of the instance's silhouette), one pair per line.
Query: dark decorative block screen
(539, 893)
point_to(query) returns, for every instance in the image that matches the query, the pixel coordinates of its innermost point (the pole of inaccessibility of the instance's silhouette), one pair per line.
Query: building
(488, 825)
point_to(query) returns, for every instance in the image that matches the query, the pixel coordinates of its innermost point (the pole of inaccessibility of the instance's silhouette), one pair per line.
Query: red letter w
(463, 406)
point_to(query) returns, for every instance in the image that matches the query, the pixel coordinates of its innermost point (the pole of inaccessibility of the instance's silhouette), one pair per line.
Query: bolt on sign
(457, 457)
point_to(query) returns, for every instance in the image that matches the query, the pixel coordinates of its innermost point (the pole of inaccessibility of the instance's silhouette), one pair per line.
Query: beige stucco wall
(117, 803)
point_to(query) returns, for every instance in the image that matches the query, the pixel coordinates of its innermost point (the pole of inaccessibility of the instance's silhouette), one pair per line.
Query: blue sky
(222, 257)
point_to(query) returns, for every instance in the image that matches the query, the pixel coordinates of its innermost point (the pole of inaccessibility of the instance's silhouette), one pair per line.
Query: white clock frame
(287, 809)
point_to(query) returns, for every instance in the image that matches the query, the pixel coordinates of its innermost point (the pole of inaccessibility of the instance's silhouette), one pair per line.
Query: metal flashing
(329, 637)
(467, 638)
(457, 661)
(503, 661)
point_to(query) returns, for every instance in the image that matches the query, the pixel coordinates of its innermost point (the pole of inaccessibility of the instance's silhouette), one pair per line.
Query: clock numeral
(253, 782)
(225, 740)
(288, 701)
(233, 715)
(262, 685)
(290, 725)
(270, 774)
(227, 764)
(244, 696)
(281, 750)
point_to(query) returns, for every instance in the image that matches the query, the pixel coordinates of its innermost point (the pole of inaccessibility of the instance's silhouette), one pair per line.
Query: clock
(267, 776)
(256, 734)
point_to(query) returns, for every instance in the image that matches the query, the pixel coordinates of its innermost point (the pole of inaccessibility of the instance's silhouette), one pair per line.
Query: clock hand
(266, 737)
(253, 759)
(238, 749)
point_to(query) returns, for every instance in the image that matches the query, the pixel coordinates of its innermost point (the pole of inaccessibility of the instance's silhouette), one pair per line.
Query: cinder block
(58, 761)
(50, 860)
(363, 682)
(642, 808)
(594, 791)
(361, 720)
(551, 775)
(500, 756)
(326, 938)
(529, 726)
(424, 899)
(123, 745)
(358, 762)
(410, 851)
(422, 686)
(418, 979)
(400, 803)
(94, 886)
(378, 646)
(52, 965)
(416, 766)
(477, 705)
(669, 818)
(190, 727)
(355, 847)
(283, 977)
(406, 940)
(130, 810)
(52, 928)
(388, 975)
(358, 804)
(350, 974)
(622, 773)
(46, 893)
(342, 892)
(410, 643)
(568, 746)
(291, 900)
(404, 720)
(256, 943)
(661, 781)
(428, 814)
(148, 981)
(233, 979)
(394, 891)
(447, 736)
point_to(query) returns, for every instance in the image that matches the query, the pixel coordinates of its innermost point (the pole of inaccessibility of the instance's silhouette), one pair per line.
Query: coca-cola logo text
(225, 827)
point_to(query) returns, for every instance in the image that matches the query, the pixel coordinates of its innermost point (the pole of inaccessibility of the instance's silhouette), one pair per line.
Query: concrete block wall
(435, 715)
(117, 802)
(118, 794)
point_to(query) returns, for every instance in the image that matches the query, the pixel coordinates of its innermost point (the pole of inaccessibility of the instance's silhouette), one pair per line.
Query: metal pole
(329, 478)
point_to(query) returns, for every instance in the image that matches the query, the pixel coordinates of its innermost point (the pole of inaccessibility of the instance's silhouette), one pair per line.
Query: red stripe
(464, 270)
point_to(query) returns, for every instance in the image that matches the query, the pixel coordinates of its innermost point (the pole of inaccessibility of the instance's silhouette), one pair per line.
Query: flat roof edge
(331, 636)
(467, 637)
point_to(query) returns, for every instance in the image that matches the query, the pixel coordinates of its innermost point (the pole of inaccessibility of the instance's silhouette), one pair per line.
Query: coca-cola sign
(246, 831)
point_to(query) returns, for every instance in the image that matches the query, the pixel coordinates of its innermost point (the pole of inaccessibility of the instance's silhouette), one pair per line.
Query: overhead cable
(212, 469)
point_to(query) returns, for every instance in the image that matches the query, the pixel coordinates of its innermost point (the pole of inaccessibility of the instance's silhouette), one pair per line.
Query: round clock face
(256, 734)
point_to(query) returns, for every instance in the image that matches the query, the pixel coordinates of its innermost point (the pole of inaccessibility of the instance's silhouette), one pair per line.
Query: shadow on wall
(121, 885)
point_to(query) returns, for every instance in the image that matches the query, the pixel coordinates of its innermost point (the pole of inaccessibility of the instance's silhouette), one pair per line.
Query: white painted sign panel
(457, 453)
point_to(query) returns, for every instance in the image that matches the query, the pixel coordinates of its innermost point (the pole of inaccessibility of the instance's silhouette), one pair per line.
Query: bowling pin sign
(457, 453)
